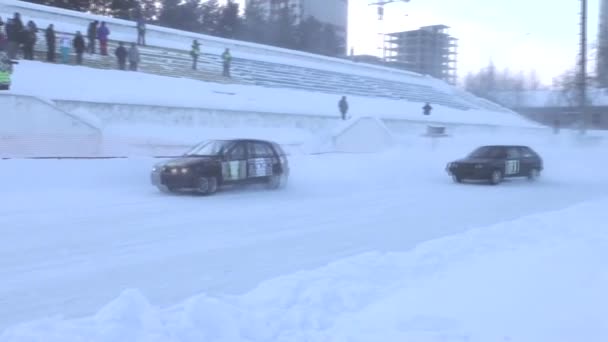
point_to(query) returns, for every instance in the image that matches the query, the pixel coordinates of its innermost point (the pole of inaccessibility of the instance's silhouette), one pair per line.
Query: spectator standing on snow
(133, 57)
(427, 109)
(226, 59)
(343, 105)
(141, 31)
(3, 39)
(92, 36)
(195, 51)
(79, 47)
(51, 46)
(102, 34)
(14, 27)
(29, 40)
(121, 55)
(65, 50)
(6, 69)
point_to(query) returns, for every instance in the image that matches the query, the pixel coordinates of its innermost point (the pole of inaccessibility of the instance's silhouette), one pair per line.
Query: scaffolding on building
(428, 50)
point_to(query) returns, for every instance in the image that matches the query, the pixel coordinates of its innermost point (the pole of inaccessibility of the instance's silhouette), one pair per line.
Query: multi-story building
(333, 12)
(428, 50)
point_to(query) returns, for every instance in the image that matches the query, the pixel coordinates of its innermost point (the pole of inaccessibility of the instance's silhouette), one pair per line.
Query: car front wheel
(496, 177)
(207, 185)
(456, 179)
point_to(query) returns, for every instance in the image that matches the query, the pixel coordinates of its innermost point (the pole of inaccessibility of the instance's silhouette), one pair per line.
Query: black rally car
(214, 163)
(494, 163)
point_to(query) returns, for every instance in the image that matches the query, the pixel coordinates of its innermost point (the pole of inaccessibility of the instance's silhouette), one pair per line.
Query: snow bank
(539, 278)
(120, 87)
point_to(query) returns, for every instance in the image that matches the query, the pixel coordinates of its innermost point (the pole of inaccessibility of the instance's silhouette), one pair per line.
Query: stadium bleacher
(278, 72)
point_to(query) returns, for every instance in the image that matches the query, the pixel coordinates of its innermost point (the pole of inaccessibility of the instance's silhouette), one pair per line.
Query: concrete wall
(31, 126)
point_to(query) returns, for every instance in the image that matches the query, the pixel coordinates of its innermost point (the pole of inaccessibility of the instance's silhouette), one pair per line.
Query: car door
(260, 160)
(529, 160)
(513, 162)
(234, 163)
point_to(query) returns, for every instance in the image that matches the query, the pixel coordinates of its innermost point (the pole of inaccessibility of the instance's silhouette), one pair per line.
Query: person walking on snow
(102, 34)
(79, 47)
(195, 51)
(227, 59)
(51, 39)
(121, 54)
(343, 105)
(133, 57)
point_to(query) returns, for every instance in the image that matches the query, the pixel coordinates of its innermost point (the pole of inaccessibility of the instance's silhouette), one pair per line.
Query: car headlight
(184, 170)
(478, 166)
(174, 171)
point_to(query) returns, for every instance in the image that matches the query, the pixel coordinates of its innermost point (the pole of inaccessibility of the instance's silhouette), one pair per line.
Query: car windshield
(487, 152)
(208, 148)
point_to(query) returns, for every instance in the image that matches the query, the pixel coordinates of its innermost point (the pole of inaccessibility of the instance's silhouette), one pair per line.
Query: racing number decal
(511, 167)
(260, 167)
(233, 170)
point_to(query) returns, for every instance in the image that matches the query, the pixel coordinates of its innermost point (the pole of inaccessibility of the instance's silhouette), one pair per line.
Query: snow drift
(539, 278)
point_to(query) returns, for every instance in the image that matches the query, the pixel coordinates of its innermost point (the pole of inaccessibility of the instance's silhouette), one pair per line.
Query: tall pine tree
(229, 22)
(210, 17)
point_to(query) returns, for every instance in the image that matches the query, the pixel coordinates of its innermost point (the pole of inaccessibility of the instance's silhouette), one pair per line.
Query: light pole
(583, 68)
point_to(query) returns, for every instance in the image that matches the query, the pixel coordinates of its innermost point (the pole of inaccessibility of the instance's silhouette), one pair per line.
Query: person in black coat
(427, 109)
(14, 29)
(121, 54)
(29, 37)
(79, 46)
(343, 105)
(92, 35)
(51, 45)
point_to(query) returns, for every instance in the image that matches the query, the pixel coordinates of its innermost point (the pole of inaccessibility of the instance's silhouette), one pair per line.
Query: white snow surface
(407, 256)
(115, 86)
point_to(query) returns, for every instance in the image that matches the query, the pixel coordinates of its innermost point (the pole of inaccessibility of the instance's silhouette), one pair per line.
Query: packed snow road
(77, 233)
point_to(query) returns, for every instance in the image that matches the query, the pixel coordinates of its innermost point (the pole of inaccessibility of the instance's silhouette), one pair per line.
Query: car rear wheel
(207, 185)
(276, 182)
(496, 177)
(533, 174)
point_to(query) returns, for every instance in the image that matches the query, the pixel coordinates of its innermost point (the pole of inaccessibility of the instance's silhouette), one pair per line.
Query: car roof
(504, 146)
(242, 140)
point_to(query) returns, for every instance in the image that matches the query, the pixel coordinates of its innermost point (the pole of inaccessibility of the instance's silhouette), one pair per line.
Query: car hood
(187, 161)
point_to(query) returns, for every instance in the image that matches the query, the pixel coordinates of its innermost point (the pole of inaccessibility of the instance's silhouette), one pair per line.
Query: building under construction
(428, 50)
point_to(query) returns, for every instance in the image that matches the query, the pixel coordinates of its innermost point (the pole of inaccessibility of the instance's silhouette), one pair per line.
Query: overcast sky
(519, 34)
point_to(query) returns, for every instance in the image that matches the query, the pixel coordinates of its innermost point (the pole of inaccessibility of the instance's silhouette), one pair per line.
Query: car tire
(533, 174)
(207, 185)
(496, 177)
(276, 182)
(456, 179)
(165, 189)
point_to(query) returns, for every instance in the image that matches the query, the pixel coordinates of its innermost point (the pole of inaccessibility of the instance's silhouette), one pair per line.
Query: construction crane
(381, 4)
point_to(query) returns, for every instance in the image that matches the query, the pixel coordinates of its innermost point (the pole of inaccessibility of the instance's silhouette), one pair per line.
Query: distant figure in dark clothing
(133, 57)
(227, 59)
(3, 39)
(14, 29)
(343, 105)
(29, 38)
(556, 126)
(195, 52)
(51, 43)
(121, 54)
(141, 31)
(427, 109)
(102, 34)
(92, 36)
(79, 47)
